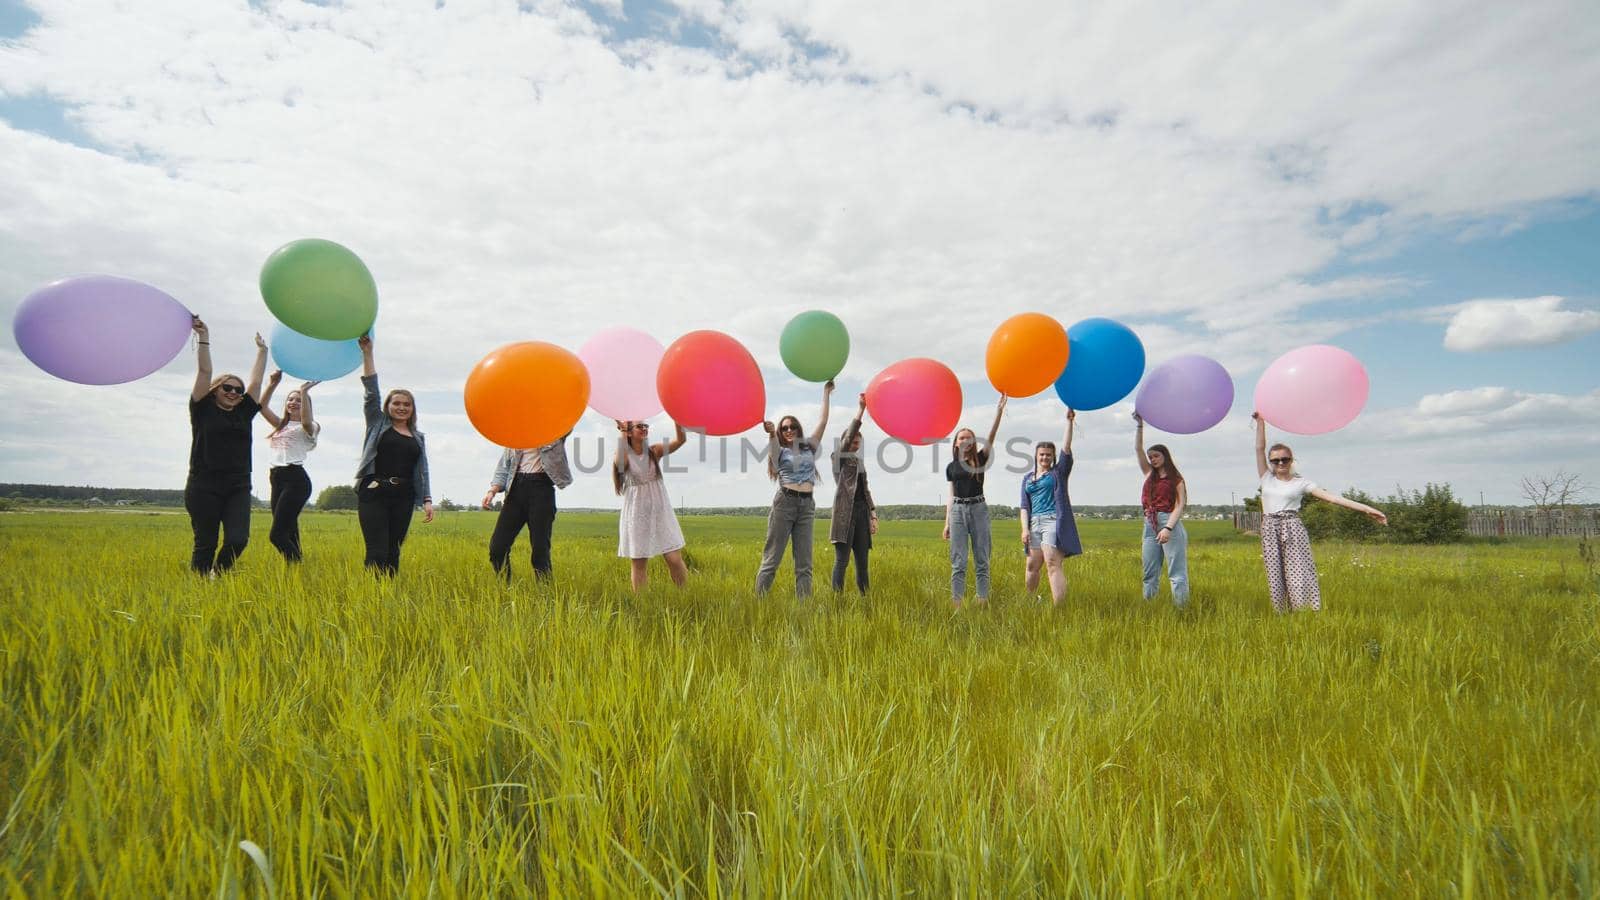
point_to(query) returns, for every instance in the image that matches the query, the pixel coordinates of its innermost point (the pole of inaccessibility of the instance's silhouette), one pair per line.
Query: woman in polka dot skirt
(1285, 546)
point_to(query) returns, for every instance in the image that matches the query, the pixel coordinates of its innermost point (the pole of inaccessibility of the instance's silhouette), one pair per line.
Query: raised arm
(371, 404)
(1138, 445)
(1066, 439)
(1261, 445)
(1371, 512)
(257, 369)
(619, 460)
(202, 357)
(272, 418)
(822, 420)
(307, 423)
(994, 430)
(854, 428)
(678, 440)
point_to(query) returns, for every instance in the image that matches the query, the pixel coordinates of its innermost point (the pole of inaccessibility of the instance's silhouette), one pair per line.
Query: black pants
(385, 516)
(212, 502)
(860, 543)
(291, 488)
(531, 501)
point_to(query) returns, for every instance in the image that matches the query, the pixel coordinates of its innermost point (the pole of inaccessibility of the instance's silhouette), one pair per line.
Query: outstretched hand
(199, 327)
(768, 427)
(261, 343)
(275, 377)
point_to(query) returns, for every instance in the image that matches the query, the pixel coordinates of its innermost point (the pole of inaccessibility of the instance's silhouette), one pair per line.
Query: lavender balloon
(1186, 395)
(100, 329)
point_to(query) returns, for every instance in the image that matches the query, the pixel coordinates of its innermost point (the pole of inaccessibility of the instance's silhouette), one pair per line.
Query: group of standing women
(392, 481)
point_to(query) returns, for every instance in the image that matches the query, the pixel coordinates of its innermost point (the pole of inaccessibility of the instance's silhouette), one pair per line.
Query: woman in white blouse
(1285, 546)
(293, 437)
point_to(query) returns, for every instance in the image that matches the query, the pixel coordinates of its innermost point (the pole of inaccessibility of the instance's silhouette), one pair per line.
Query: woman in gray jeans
(966, 512)
(792, 462)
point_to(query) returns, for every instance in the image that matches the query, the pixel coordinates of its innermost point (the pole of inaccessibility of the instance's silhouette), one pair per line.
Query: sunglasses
(642, 426)
(1281, 460)
(788, 428)
(230, 389)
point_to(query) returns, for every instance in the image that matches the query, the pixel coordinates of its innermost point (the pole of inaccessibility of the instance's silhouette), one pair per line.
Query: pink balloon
(622, 365)
(710, 382)
(916, 400)
(1312, 390)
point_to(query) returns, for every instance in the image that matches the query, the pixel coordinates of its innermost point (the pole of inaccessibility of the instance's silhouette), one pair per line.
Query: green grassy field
(1434, 732)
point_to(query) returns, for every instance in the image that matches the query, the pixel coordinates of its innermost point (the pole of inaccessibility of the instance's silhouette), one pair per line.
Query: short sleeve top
(220, 438)
(966, 483)
(1278, 496)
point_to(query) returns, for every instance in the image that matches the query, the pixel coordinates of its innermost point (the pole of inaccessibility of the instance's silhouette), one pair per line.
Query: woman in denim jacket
(393, 477)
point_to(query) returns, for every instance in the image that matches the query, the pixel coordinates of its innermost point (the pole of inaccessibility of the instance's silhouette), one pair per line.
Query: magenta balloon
(1185, 395)
(622, 365)
(100, 329)
(1312, 390)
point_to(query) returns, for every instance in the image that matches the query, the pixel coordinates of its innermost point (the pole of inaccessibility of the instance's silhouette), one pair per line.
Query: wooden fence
(1495, 523)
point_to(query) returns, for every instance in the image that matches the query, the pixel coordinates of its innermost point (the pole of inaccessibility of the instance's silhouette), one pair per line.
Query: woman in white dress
(647, 526)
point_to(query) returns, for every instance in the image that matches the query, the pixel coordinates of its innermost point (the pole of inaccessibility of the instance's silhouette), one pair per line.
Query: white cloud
(1506, 324)
(508, 174)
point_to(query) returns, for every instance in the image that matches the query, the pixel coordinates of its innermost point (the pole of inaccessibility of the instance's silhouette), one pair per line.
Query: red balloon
(916, 400)
(708, 381)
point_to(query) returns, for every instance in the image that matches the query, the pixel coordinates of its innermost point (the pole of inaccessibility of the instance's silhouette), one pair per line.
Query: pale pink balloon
(622, 365)
(1312, 390)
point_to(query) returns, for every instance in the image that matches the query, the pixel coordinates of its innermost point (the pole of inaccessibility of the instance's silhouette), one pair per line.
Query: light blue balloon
(311, 359)
(1105, 364)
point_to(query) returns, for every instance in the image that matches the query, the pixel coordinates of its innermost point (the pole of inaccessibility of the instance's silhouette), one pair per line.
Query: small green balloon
(320, 289)
(815, 345)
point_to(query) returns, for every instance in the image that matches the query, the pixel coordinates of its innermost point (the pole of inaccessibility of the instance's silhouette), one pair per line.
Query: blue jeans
(969, 520)
(1176, 552)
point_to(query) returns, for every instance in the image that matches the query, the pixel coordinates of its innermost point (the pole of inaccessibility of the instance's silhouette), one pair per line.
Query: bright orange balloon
(526, 394)
(1027, 353)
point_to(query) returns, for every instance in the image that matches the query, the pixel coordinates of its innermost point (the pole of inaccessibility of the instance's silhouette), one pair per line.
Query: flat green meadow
(1435, 732)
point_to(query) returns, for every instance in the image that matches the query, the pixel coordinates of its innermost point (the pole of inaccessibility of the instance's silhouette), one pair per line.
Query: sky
(1413, 182)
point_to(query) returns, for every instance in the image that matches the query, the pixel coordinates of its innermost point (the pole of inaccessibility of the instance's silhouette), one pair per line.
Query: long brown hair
(284, 422)
(411, 423)
(799, 442)
(1166, 463)
(617, 479)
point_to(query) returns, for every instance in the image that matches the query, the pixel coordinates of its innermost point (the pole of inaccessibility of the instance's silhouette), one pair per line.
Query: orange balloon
(526, 394)
(1027, 353)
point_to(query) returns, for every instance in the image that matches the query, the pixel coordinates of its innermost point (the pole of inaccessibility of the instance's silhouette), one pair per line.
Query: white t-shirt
(530, 462)
(1284, 496)
(290, 446)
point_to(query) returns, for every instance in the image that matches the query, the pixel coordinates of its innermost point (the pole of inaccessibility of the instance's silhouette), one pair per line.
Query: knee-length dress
(647, 526)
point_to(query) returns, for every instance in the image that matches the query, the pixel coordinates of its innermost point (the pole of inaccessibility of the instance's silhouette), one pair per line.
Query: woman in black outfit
(393, 476)
(218, 490)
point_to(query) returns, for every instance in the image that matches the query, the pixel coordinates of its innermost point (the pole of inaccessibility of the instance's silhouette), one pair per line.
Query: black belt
(392, 479)
(538, 476)
(966, 500)
(795, 492)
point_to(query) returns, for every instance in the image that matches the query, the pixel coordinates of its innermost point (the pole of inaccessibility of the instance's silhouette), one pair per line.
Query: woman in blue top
(1049, 533)
(393, 476)
(792, 462)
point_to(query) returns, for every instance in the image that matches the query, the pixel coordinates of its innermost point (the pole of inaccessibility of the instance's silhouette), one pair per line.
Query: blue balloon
(1105, 364)
(311, 359)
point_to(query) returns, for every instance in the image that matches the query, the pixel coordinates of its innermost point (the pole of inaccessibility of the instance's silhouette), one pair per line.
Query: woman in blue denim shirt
(393, 476)
(792, 462)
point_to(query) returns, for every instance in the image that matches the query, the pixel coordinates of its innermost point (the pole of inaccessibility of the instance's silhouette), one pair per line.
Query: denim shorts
(1041, 532)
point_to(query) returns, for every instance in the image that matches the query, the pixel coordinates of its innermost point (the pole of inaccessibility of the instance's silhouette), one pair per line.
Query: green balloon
(320, 289)
(815, 345)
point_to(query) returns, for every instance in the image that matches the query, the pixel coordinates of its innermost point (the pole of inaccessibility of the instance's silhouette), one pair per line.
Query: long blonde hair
(222, 379)
(411, 423)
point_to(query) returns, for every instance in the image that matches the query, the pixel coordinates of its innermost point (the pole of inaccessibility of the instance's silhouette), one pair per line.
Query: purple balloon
(100, 329)
(1186, 395)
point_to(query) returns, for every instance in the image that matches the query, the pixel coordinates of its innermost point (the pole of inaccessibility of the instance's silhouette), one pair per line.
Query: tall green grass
(1434, 732)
